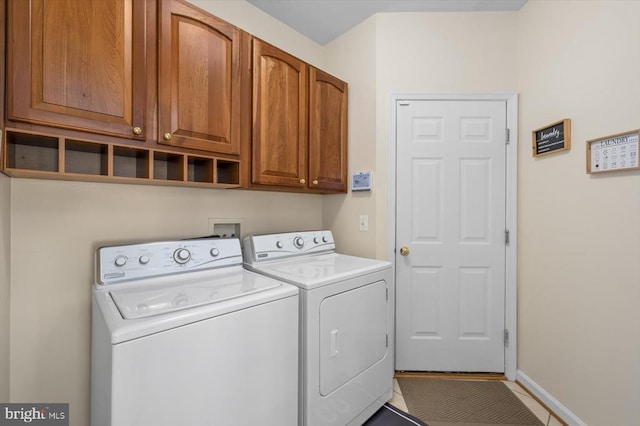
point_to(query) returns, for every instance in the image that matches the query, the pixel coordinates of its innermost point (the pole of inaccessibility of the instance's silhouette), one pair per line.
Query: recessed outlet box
(225, 228)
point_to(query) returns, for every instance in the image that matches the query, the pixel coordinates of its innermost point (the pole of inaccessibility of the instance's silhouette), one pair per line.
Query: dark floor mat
(464, 402)
(388, 415)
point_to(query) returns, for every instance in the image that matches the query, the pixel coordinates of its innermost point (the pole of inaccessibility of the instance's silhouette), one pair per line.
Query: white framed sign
(613, 153)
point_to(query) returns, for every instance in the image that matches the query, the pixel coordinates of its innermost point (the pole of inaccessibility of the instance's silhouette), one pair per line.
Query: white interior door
(450, 286)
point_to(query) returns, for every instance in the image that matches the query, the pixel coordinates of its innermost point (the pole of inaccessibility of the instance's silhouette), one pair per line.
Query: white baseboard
(558, 409)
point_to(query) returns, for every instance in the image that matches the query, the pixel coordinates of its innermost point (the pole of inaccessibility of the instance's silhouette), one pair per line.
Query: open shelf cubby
(228, 172)
(200, 169)
(168, 166)
(40, 155)
(27, 151)
(86, 158)
(130, 162)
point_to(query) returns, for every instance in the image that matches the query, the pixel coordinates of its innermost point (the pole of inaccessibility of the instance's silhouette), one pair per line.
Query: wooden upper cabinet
(199, 79)
(79, 64)
(327, 131)
(299, 123)
(279, 117)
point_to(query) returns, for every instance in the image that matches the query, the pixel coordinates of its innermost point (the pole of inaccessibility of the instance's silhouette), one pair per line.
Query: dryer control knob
(316, 240)
(181, 255)
(214, 252)
(298, 242)
(144, 259)
(279, 244)
(120, 261)
(324, 239)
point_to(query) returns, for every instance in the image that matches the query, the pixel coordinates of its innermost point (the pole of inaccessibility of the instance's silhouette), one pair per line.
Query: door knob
(167, 136)
(137, 130)
(404, 251)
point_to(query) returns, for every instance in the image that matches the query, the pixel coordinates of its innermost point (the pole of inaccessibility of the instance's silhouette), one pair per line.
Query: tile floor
(545, 417)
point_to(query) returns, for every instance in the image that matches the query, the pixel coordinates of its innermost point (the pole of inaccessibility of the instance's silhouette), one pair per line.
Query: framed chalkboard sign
(552, 138)
(614, 153)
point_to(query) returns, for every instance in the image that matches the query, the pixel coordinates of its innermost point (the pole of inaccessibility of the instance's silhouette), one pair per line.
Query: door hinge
(387, 291)
(507, 135)
(506, 236)
(387, 341)
(506, 337)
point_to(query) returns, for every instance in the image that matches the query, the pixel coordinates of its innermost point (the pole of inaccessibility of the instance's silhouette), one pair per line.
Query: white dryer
(346, 323)
(183, 335)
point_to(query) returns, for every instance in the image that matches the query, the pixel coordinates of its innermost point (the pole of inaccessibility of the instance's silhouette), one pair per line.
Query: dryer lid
(314, 271)
(145, 301)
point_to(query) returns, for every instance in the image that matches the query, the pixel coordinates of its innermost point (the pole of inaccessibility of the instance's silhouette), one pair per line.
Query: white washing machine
(183, 335)
(346, 323)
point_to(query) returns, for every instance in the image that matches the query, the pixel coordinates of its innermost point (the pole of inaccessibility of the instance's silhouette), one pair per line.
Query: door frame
(511, 216)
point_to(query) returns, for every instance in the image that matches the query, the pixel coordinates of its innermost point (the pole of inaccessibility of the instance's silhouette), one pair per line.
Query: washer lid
(319, 270)
(148, 300)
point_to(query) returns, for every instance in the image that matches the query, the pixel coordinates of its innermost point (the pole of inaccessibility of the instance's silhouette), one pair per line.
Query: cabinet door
(199, 79)
(279, 117)
(78, 64)
(327, 132)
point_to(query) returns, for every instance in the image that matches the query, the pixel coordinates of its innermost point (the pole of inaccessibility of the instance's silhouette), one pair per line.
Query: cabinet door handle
(303, 181)
(137, 130)
(167, 136)
(315, 182)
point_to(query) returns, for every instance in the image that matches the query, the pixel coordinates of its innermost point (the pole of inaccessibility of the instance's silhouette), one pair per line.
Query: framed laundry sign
(552, 138)
(613, 153)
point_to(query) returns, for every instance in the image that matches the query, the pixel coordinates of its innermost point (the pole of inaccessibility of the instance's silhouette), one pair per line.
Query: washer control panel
(275, 246)
(116, 264)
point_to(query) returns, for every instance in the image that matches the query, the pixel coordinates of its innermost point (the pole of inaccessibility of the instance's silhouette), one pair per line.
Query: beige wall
(5, 217)
(352, 58)
(579, 251)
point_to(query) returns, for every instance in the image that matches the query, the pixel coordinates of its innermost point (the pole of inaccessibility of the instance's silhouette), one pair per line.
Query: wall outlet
(364, 223)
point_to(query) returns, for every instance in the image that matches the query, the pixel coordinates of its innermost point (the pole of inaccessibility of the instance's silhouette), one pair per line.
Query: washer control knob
(324, 239)
(214, 252)
(120, 261)
(181, 255)
(316, 240)
(144, 259)
(279, 244)
(298, 242)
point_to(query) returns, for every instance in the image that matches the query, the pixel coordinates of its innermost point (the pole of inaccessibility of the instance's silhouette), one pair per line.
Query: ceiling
(324, 20)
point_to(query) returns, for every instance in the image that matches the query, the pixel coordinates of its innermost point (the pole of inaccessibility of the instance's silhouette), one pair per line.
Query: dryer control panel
(116, 264)
(277, 246)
